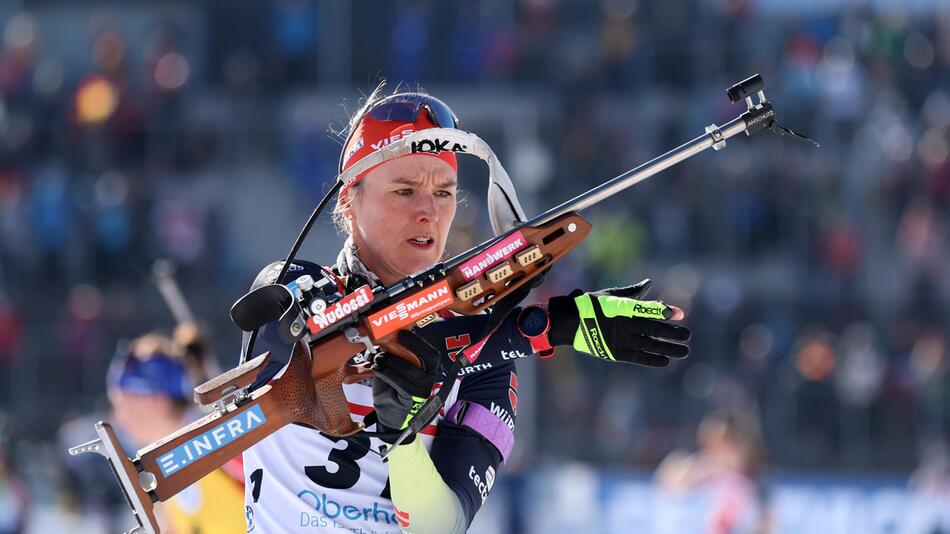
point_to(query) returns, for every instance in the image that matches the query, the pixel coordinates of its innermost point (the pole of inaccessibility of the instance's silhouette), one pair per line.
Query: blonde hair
(153, 343)
(188, 345)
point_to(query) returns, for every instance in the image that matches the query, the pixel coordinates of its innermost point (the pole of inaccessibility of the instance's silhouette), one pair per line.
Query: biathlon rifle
(335, 335)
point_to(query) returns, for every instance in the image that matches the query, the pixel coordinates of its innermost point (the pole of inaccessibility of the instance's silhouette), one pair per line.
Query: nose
(426, 209)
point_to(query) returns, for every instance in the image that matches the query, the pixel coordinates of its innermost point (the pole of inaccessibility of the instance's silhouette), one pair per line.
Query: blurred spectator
(14, 499)
(730, 463)
(80, 334)
(150, 391)
(10, 332)
(52, 215)
(11, 329)
(932, 478)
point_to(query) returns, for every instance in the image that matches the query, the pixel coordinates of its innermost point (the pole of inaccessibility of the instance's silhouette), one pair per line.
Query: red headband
(371, 135)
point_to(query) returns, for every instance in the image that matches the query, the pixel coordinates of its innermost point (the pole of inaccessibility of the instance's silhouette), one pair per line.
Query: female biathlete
(397, 217)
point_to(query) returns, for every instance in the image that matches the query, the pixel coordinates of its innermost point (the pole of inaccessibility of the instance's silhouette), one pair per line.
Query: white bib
(297, 480)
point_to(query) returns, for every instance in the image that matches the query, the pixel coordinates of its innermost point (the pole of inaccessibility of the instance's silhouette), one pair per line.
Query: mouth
(422, 242)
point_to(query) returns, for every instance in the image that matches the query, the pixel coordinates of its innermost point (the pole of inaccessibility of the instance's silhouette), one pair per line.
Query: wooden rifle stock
(291, 399)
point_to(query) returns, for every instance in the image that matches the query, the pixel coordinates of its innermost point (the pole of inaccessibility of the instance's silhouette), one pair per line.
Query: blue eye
(404, 192)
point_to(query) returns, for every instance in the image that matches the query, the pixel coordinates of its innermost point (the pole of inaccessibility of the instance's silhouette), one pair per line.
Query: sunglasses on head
(404, 107)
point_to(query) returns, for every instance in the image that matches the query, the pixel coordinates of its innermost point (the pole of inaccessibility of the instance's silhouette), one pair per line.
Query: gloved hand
(613, 325)
(399, 387)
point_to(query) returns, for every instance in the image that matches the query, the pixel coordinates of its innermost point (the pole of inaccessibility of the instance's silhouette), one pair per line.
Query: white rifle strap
(504, 209)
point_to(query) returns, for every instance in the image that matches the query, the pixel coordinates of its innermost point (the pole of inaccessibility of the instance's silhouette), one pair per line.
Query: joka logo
(457, 342)
(434, 146)
(330, 509)
(411, 309)
(340, 309)
(212, 440)
(493, 256)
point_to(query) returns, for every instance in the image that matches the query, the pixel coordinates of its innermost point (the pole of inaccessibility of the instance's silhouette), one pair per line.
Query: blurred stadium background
(816, 281)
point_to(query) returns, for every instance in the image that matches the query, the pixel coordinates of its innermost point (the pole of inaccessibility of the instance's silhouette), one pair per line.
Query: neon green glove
(612, 324)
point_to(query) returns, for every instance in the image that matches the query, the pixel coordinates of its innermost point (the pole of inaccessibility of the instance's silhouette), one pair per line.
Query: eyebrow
(410, 181)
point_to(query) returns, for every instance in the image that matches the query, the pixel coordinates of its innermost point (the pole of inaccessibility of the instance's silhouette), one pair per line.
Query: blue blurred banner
(579, 499)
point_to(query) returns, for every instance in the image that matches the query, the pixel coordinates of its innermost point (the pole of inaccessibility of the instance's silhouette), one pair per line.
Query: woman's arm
(423, 501)
(441, 490)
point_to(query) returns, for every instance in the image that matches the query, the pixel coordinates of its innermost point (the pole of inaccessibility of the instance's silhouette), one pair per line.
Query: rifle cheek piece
(261, 306)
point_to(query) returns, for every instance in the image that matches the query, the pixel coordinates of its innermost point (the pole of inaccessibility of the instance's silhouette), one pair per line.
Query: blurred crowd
(816, 281)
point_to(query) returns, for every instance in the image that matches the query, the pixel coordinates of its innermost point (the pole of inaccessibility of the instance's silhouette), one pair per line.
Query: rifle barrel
(638, 174)
(602, 191)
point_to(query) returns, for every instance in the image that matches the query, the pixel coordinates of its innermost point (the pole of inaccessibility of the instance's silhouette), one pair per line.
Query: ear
(348, 212)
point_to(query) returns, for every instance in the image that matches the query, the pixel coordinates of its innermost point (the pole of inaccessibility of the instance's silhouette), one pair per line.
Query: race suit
(301, 480)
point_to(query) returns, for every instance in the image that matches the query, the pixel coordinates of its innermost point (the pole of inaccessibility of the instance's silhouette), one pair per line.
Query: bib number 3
(348, 471)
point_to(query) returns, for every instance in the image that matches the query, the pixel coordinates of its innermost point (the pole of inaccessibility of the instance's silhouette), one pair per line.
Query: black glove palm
(399, 387)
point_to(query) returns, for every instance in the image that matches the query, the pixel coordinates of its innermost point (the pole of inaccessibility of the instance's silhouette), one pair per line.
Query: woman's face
(401, 215)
